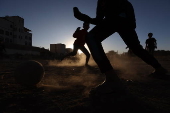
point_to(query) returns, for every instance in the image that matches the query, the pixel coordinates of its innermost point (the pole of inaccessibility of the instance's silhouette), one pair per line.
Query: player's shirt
(116, 11)
(151, 42)
(80, 37)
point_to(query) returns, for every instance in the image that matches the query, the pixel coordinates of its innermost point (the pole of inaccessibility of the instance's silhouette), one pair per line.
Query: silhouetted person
(80, 42)
(151, 44)
(114, 16)
(2, 49)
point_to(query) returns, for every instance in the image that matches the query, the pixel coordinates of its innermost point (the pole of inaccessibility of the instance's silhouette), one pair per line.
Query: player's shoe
(160, 73)
(81, 16)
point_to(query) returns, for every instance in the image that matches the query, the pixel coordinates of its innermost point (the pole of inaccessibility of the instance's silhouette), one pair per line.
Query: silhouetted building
(68, 50)
(58, 48)
(12, 30)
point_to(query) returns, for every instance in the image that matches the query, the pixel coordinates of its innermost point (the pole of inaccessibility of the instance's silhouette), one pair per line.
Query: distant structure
(58, 48)
(17, 38)
(12, 30)
(68, 50)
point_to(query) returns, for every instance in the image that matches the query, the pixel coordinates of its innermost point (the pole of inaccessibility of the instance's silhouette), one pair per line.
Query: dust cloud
(128, 68)
(83, 79)
(72, 62)
(131, 67)
(73, 73)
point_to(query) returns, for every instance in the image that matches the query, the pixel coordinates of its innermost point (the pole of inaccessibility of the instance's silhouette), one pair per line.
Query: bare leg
(131, 39)
(93, 40)
(73, 53)
(85, 51)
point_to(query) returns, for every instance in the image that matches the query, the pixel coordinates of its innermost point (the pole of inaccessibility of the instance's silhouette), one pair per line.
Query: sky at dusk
(52, 21)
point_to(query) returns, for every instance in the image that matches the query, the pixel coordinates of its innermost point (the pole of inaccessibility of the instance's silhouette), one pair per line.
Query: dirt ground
(65, 88)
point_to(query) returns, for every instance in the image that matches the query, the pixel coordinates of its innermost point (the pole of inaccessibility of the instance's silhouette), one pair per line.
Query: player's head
(86, 25)
(150, 34)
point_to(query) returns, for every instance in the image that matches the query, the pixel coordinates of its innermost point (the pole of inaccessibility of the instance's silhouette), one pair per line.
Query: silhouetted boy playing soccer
(80, 42)
(151, 44)
(114, 16)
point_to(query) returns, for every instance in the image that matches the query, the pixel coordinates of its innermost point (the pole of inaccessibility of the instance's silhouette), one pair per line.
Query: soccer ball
(29, 73)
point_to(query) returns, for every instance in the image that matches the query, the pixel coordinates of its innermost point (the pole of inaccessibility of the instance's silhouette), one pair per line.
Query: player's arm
(76, 33)
(146, 45)
(155, 44)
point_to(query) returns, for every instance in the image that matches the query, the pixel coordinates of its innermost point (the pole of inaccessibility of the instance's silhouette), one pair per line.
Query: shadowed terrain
(65, 88)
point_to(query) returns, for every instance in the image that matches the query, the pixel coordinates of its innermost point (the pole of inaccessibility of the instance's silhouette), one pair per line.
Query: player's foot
(160, 73)
(81, 16)
(108, 93)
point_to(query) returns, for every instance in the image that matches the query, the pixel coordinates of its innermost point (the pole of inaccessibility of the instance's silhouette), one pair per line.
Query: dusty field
(65, 87)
